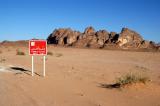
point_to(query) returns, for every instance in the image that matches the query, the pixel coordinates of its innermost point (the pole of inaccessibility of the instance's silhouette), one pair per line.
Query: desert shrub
(19, 52)
(49, 53)
(0, 51)
(127, 79)
(55, 54)
(131, 78)
(2, 60)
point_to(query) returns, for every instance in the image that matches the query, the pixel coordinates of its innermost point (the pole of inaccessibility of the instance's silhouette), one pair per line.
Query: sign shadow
(23, 70)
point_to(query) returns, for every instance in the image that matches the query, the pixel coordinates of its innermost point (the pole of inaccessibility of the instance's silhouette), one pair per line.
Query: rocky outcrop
(14, 43)
(129, 39)
(89, 31)
(63, 37)
(102, 37)
(147, 44)
(113, 37)
(90, 38)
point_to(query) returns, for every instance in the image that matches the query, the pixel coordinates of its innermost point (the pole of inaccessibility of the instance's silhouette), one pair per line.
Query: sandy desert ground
(74, 77)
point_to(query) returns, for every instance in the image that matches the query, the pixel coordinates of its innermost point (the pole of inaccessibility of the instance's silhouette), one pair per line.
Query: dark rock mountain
(126, 39)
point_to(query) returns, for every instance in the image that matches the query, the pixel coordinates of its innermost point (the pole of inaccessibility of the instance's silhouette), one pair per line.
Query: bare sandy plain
(74, 77)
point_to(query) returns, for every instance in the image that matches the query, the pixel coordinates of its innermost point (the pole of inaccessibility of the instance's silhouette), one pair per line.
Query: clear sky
(26, 19)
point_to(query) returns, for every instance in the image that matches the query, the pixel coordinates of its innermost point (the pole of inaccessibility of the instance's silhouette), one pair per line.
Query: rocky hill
(14, 43)
(126, 39)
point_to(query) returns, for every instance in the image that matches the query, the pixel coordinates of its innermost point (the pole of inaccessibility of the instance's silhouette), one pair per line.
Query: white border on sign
(37, 54)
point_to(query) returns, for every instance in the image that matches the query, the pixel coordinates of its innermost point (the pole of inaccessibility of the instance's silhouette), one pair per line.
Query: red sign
(37, 47)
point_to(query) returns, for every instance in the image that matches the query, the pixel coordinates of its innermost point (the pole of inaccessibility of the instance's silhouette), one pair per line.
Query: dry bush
(127, 79)
(50, 53)
(2, 60)
(19, 52)
(55, 54)
(131, 78)
(0, 51)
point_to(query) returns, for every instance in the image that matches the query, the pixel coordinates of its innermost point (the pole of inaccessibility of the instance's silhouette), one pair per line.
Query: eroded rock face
(89, 38)
(145, 44)
(93, 39)
(129, 38)
(113, 37)
(63, 37)
(100, 39)
(89, 31)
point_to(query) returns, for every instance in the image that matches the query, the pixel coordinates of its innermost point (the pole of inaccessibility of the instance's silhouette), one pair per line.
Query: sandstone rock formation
(113, 37)
(129, 38)
(147, 44)
(102, 37)
(90, 38)
(63, 37)
(89, 31)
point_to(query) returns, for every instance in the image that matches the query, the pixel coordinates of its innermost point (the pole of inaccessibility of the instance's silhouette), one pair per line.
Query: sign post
(44, 66)
(32, 65)
(38, 47)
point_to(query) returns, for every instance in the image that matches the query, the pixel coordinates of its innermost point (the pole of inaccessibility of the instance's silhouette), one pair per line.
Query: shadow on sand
(110, 86)
(23, 70)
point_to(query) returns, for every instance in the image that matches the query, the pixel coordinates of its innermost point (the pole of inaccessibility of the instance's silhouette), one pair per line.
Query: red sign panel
(37, 47)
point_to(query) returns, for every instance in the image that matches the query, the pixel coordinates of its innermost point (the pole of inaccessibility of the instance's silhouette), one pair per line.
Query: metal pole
(32, 65)
(44, 66)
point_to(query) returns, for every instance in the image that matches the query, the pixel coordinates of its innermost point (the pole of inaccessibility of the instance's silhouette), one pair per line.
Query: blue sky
(26, 19)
